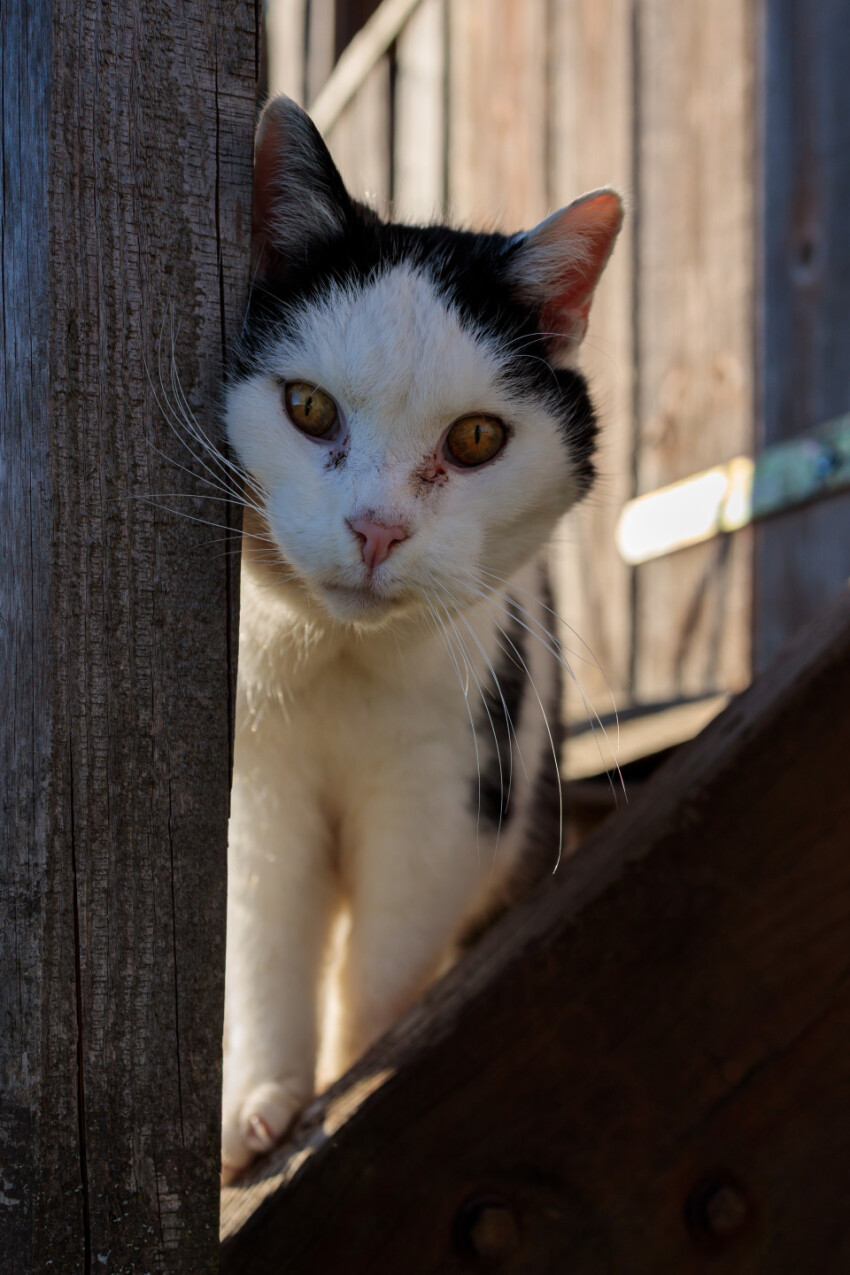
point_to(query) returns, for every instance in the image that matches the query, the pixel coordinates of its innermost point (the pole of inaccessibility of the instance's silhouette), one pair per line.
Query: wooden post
(124, 224)
(803, 556)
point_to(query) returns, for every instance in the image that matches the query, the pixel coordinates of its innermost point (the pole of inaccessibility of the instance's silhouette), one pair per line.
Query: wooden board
(497, 143)
(694, 314)
(286, 36)
(361, 139)
(645, 1068)
(126, 152)
(321, 52)
(420, 116)
(591, 145)
(802, 557)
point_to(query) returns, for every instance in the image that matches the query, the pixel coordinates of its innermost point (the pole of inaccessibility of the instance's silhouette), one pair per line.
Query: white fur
(355, 757)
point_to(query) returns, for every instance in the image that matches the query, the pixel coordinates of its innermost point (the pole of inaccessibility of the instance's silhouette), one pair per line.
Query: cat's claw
(258, 1124)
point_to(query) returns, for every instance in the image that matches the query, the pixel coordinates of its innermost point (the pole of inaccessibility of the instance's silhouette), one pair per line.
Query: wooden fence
(718, 326)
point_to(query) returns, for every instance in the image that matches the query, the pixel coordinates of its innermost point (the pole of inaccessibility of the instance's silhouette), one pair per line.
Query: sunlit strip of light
(687, 512)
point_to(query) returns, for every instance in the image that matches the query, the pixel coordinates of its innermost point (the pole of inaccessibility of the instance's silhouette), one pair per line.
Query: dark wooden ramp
(646, 1070)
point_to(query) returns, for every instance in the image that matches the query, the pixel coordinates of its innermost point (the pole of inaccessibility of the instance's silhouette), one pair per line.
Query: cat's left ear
(556, 266)
(300, 199)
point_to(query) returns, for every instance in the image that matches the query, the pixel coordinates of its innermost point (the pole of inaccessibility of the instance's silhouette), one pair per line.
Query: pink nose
(377, 539)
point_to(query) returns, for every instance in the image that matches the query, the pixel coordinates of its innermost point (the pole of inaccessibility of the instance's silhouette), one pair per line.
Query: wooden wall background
(495, 112)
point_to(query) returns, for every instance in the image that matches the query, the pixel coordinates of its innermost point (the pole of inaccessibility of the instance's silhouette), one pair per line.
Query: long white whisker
(469, 664)
(593, 660)
(465, 690)
(554, 648)
(551, 744)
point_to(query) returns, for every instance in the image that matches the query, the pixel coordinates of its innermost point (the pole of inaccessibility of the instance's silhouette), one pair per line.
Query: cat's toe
(260, 1122)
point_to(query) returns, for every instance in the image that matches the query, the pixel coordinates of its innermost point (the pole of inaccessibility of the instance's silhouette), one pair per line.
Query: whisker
(554, 648)
(483, 698)
(465, 690)
(551, 744)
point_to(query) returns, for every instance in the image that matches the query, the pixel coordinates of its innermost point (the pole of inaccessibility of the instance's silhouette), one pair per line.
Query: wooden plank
(633, 737)
(592, 146)
(360, 141)
(694, 310)
(645, 1067)
(286, 35)
(497, 152)
(420, 116)
(125, 206)
(39, 1129)
(803, 556)
(321, 46)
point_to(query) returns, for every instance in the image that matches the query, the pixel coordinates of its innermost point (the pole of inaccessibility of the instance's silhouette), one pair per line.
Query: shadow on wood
(645, 1068)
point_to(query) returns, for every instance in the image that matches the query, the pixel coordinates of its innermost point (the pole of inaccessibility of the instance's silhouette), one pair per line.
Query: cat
(409, 425)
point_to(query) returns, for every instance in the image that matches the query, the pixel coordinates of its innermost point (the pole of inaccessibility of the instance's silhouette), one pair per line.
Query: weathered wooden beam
(644, 1069)
(124, 220)
(802, 556)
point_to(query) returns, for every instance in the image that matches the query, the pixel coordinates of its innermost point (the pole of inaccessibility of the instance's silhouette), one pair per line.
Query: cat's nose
(376, 539)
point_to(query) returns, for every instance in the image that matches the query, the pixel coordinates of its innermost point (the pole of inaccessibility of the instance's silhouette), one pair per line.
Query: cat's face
(409, 432)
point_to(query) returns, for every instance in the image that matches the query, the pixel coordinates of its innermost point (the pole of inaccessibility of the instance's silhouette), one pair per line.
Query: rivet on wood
(718, 1210)
(488, 1231)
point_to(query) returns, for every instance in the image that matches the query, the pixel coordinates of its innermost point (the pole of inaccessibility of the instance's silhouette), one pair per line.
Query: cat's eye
(475, 439)
(310, 409)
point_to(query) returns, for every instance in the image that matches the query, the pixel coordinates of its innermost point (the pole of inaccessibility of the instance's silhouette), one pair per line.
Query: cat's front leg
(416, 870)
(280, 896)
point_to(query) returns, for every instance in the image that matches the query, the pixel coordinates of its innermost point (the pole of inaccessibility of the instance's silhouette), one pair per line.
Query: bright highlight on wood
(731, 495)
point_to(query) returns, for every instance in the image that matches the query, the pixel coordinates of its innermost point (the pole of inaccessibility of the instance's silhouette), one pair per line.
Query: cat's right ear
(300, 199)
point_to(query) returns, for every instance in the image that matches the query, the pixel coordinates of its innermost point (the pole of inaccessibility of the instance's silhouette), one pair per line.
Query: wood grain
(804, 556)
(361, 139)
(420, 116)
(646, 1066)
(694, 265)
(591, 145)
(126, 214)
(497, 144)
(286, 36)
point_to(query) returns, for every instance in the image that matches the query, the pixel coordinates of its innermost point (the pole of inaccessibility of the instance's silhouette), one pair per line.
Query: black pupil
(307, 404)
(477, 434)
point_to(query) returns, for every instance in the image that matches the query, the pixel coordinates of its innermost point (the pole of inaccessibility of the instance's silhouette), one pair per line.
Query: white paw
(257, 1124)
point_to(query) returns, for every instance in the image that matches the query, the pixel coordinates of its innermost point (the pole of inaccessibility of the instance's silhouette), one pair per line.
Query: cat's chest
(359, 712)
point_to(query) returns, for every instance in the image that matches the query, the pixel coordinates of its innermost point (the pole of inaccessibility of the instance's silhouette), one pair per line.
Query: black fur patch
(495, 743)
(469, 269)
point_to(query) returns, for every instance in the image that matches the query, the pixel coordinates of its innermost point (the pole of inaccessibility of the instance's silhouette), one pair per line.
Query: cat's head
(406, 404)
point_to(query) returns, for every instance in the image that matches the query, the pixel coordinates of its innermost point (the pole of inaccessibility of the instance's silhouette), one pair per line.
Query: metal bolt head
(726, 1211)
(718, 1210)
(488, 1231)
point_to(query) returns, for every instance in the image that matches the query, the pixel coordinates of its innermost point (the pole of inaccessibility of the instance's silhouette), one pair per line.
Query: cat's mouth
(357, 602)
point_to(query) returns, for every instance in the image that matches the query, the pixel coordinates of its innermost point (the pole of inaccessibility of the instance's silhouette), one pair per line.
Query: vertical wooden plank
(420, 116)
(497, 113)
(126, 214)
(321, 45)
(803, 556)
(694, 269)
(286, 37)
(360, 140)
(42, 1209)
(592, 135)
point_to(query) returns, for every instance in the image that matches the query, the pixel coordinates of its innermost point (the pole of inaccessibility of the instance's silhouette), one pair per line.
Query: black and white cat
(411, 426)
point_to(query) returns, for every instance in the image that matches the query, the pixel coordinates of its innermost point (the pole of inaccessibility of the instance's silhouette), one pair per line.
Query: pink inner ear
(592, 225)
(567, 254)
(267, 162)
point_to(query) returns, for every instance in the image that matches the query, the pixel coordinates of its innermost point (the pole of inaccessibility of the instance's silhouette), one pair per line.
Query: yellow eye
(474, 439)
(310, 409)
